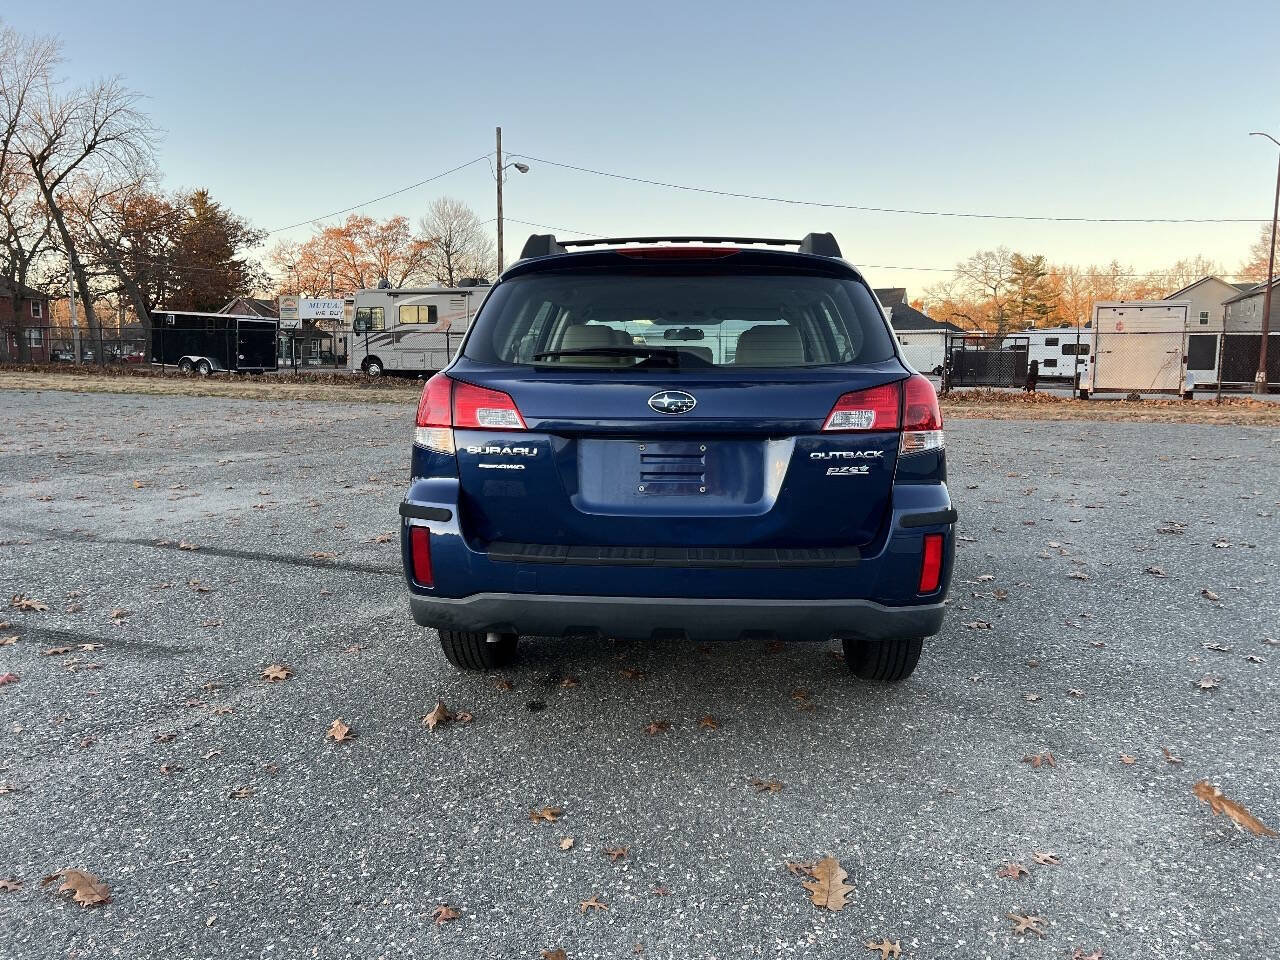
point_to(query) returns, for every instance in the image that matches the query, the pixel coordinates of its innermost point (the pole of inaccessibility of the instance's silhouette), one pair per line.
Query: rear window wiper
(666, 352)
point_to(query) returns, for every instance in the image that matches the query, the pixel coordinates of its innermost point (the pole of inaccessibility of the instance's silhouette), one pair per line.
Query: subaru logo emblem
(672, 401)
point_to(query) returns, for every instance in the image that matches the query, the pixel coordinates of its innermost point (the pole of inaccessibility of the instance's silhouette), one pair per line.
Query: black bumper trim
(412, 511)
(929, 519)
(700, 557)
(544, 615)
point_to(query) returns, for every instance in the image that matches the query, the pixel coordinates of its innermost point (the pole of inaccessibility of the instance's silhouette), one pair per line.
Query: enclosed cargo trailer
(206, 343)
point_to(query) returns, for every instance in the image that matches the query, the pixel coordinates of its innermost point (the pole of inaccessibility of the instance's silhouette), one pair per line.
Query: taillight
(435, 415)
(420, 548)
(931, 564)
(921, 416)
(447, 403)
(872, 409)
(478, 408)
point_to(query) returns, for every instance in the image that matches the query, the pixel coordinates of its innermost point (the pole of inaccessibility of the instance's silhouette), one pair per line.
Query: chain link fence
(1091, 361)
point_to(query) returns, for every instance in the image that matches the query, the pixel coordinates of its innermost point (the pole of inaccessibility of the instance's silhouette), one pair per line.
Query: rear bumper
(697, 618)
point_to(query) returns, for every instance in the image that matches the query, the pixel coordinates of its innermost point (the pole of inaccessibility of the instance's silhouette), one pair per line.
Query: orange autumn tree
(352, 256)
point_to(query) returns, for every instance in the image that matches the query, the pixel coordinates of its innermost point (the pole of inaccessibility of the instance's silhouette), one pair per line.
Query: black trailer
(210, 342)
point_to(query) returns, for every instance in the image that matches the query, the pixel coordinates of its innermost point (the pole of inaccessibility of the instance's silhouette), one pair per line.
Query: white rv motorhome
(410, 329)
(1061, 353)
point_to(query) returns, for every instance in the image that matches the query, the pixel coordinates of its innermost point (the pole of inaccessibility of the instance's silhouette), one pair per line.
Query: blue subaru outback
(700, 436)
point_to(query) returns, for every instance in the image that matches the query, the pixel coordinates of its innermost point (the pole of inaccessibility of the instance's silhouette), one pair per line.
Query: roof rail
(546, 244)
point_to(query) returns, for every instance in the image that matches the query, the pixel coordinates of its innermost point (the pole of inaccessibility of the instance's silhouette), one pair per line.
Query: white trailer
(1139, 346)
(924, 350)
(1060, 353)
(410, 329)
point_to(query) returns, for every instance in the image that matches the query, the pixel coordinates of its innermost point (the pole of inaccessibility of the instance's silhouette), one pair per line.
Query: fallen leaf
(1039, 760)
(322, 555)
(1208, 682)
(1254, 658)
(828, 888)
(168, 768)
(119, 613)
(438, 715)
(1079, 954)
(6, 678)
(1217, 646)
(11, 885)
(503, 684)
(164, 737)
(1170, 756)
(22, 602)
(221, 711)
(1078, 575)
(444, 913)
(546, 815)
(8, 641)
(556, 954)
(55, 651)
(1046, 859)
(708, 723)
(1074, 692)
(1219, 803)
(1222, 544)
(1031, 697)
(1127, 760)
(86, 889)
(1156, 571)
(569, 682)
(339, 731)
(1012, 871)
(276, 672)
(592, 904)
(183, 545)
(631, 673)
(566, 843)
(986, 577)
(767, 786)
(89, 647)
(383, 538)
(240, 793)
(886, 948)
(657, 727)
(615, 853)
(1025, 925)
(1209, 594)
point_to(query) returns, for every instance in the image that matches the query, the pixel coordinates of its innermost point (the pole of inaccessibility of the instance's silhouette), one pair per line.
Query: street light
(1260, 380)
(501, 170)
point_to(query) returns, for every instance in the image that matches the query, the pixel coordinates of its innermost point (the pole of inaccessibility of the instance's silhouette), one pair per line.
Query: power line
(898, 210)
(393, 193)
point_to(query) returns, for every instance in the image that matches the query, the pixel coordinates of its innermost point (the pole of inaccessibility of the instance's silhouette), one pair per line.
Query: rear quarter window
(623, 319)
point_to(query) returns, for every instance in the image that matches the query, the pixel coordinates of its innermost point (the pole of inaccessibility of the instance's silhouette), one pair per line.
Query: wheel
(373, 367)
(184, 365)
(475, 651)
(204, 368)
(883, 661)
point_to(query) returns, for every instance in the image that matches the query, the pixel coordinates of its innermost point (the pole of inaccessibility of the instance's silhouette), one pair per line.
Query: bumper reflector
(931, 564)
(420, 547)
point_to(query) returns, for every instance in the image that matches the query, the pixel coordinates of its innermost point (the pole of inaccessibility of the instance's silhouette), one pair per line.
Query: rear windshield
(628, 320)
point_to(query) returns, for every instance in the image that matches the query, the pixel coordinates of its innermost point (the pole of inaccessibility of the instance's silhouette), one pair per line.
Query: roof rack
(546, 244)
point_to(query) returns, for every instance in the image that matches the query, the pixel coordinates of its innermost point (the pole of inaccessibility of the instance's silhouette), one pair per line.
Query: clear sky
(289, 110)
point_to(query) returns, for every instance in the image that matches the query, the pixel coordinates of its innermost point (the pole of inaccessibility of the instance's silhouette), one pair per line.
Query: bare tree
(91, 132)
(28, 236)
(458, 246)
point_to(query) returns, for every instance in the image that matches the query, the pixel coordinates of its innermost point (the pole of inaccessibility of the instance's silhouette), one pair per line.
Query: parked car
(710, 439)
(61, 356)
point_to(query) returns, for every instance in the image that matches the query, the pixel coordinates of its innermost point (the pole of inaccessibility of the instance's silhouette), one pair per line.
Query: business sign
(287, 307)
(305, 308)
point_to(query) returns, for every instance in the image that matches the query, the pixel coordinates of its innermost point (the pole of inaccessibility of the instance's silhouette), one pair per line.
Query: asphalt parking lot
(123, 758)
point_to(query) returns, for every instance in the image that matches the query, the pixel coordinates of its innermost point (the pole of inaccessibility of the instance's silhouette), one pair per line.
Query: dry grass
(1001, 405)
(968, 404)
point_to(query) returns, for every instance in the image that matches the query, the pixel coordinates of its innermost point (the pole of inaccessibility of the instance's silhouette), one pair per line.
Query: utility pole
(1260, 379)
(500, 261)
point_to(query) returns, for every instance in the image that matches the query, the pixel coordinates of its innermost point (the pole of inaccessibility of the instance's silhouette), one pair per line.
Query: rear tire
(883, 661)
(473, 651)
(373, 367)
(204, 368)
(184, 365)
